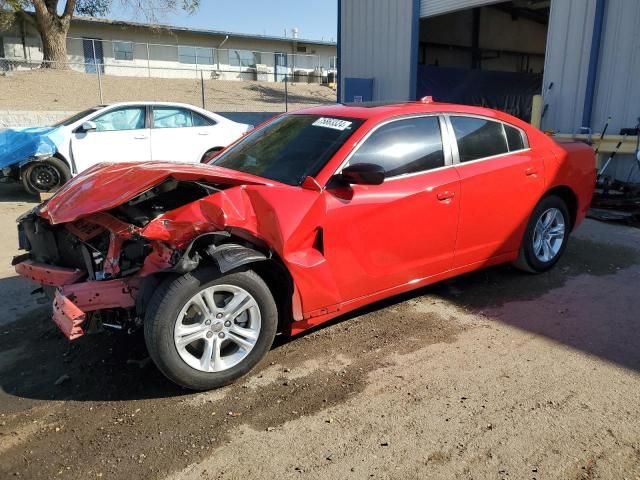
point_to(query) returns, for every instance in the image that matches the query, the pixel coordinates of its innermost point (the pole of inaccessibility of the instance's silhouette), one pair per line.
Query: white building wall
(155, 52)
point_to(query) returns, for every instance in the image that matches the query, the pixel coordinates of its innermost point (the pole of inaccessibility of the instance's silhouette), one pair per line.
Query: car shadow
(566, 305)
(13, 192)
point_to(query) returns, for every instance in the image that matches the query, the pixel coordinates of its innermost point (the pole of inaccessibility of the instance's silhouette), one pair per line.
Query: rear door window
(171, 117)
(478, 138)
(404, 146)
(514, 138)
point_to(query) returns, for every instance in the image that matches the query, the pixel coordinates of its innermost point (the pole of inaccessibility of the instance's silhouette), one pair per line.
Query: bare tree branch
(69, 8)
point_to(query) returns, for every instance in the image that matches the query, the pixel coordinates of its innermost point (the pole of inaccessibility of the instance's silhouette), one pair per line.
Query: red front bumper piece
(68, 316)
(73, 300)
(48, 274)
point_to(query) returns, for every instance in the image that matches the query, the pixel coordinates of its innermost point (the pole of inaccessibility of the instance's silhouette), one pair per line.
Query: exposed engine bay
(162, 198)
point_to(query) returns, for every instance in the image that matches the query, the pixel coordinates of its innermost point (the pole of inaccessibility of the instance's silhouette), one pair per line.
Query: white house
(137, 49)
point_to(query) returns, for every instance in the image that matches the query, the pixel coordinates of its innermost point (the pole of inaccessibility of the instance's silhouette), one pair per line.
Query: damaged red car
(311, 215)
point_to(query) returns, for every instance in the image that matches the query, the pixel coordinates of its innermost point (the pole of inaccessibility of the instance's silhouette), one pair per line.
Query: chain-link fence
(100, 71)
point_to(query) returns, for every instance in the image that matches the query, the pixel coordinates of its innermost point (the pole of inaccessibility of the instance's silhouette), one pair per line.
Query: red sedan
(311, 215)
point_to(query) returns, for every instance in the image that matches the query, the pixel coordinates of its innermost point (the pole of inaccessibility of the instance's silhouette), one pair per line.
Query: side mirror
(88, 127)
(363, 174)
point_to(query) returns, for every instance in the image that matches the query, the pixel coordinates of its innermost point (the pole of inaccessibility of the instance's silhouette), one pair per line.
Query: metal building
(583, 56)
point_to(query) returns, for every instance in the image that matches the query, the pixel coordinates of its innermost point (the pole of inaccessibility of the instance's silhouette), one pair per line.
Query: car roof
(210, 114)
(145, 102)
(381, 111)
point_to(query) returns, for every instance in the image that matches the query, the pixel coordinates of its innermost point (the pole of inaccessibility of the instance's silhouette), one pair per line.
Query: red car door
(501, 181)
(381, 236)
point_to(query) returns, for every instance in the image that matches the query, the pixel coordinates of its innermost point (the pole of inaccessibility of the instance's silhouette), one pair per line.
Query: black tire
(210, 154)
(163, 311)
(45, 176)
(527, 260)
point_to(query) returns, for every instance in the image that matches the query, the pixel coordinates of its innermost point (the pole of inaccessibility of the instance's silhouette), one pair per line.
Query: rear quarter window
(514, 138)
(478, 138)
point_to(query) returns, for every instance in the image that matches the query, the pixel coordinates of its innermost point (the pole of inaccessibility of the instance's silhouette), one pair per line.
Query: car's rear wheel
(204, 330)
(45, 175)
(546, 236)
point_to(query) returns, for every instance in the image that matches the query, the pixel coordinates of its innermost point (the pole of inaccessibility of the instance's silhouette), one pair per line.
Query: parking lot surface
(495, 374)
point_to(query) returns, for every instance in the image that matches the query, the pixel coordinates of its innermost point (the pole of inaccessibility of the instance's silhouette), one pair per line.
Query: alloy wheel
(217, 328)
(548, 235)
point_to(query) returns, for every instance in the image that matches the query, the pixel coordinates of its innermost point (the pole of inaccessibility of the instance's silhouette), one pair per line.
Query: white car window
(200, 121)
(128, 118)
(170, 117)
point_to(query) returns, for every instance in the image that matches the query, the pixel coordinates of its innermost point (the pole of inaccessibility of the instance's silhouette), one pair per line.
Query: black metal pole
(202, 87)
(286, 92)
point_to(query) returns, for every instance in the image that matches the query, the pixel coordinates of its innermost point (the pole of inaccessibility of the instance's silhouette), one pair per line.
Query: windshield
(74, 118)
(290, 148)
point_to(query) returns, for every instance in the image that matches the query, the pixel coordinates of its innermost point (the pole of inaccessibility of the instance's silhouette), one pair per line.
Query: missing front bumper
(73, 301)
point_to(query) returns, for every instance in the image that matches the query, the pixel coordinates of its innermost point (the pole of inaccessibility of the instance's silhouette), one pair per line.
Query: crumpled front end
(92, 268)
(101, 246)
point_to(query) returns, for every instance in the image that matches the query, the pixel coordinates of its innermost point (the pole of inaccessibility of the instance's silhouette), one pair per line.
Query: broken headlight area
(162, 198)
(83, 245)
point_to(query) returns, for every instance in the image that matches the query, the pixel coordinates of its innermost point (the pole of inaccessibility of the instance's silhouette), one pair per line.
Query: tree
(52, 18)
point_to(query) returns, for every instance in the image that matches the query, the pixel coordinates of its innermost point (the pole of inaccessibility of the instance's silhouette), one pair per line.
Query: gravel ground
(39, 90)
(494, 375)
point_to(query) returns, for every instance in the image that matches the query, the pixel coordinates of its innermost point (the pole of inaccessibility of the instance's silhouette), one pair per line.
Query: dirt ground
(39, 90)
(496, 375)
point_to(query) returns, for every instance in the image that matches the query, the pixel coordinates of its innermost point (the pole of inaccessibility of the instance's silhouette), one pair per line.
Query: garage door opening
(492, 55)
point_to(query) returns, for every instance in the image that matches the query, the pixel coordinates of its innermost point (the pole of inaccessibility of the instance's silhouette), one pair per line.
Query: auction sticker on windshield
(334, 123)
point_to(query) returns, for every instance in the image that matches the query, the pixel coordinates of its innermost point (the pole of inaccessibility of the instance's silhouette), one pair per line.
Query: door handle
(529, 172)
(446, 195)
(140, 137)
(203, 133)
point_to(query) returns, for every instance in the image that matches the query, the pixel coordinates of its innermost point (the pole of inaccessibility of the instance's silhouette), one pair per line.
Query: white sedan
(45, 158)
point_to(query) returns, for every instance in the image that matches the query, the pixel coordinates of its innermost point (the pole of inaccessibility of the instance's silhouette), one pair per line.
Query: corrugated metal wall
(430, 8)
(567, 59)
(375, 42)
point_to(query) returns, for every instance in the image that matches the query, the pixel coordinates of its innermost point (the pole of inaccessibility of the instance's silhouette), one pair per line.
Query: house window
(195, 55)
(332, 63)
(205, 56)
(187, 54)
(123, 50)
(242, 58)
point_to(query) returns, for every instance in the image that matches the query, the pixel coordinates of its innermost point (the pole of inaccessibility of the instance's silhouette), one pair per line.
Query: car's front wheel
(45, 176)
(546, 235)
(204, 330)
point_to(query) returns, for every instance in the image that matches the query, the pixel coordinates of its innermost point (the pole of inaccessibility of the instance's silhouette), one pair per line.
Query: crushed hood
(107, 185)
(20, 144)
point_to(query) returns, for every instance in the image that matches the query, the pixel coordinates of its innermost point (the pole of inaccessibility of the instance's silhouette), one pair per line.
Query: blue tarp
(19, 144)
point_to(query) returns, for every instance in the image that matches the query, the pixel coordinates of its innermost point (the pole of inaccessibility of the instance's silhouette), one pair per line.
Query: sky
(315, 19)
